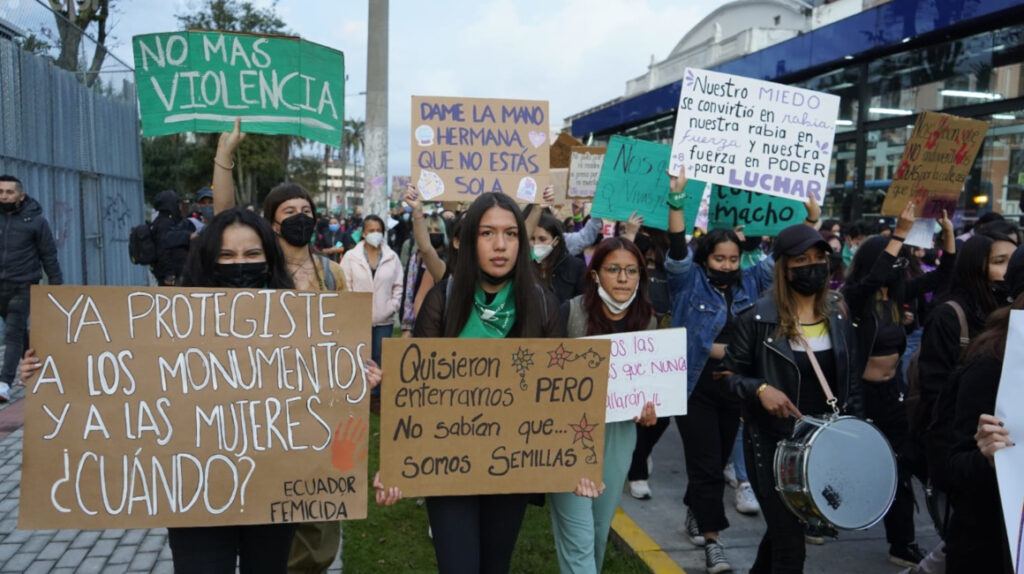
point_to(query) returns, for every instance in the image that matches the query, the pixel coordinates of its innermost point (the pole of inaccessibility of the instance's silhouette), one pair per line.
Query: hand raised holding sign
(633, 225)
(223, 184)
(676, 198)
(813, 211)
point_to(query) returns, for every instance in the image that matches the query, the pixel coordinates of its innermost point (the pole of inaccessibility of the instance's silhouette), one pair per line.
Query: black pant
(14, 306)
(782, 549)
(257, 549)
(475, 534)
(646, 438)
(883, 406)
(708, 431)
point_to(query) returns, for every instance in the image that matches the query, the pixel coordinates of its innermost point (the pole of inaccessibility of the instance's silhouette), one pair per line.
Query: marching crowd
(847, 320)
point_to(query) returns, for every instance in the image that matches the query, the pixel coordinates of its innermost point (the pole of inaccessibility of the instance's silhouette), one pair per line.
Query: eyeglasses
(631, 271)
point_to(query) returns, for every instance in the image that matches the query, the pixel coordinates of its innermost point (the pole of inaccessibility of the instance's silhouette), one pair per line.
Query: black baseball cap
(797, 239)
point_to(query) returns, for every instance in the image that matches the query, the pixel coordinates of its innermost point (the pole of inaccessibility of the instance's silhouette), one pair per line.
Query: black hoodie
(171, 234)
(28, 246)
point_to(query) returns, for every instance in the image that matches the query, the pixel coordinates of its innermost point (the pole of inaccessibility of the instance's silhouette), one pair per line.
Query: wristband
(677, 200)
(761, 388)
(811, 221)
(897, 238)
(219, 164)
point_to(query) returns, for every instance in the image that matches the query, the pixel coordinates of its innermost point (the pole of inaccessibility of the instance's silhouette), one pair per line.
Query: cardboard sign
(756, 135)
(462, 147)
(399, 185)
(646, 366)
(201, 81)
(560, 181)
(487, 416)
(935, 164)
(760, 214)
(561, 150)
(584, 170)
(195, 407)
(633, 178)
(1010, 461)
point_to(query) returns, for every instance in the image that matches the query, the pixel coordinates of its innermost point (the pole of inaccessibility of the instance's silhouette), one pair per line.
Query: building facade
(886, 60)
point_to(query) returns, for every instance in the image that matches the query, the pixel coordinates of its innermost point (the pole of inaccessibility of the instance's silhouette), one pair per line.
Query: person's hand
(738, 230)
(587, 489)
(229, 142)
(648, 417)
(373, 373)
(946, 224)
(676, 183)
(385, 496)
(412, 199)
(28, 365)
(633, 224)
(906, 220)
(991, 436)
(813, 209)
(549, 194)
(777, 403)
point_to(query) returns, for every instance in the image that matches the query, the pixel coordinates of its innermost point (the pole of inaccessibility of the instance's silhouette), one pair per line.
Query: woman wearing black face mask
(876, 291)
(769, 369)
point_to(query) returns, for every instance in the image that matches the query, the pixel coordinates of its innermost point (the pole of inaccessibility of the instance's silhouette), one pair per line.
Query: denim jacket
(700, 307)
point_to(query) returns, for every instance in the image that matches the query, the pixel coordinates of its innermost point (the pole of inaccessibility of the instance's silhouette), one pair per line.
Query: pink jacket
(386, 284)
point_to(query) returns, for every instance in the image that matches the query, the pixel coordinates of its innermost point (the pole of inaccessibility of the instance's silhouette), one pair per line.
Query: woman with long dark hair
(493, 294)
(614, 300)
(769, 367)
(876, 290)
(556, 267)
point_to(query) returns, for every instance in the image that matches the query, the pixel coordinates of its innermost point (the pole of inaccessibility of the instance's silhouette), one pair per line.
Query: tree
(73, 18)
(307, 171)
(171, 162)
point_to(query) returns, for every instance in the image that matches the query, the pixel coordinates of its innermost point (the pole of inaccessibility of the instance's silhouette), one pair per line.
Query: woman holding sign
(492, 294)
(614, 300)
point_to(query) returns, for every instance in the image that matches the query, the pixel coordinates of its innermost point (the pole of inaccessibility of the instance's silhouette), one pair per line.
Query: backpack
(919, 421)
(141, 244)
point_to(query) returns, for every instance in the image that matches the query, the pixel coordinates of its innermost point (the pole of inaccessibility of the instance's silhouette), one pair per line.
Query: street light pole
(376, 143)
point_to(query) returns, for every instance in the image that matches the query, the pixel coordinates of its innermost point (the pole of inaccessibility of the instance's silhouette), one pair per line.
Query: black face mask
(723, 278)
(491, 279)
(298, 229)
(1001, 290)
(809, 279)
(437, 240)
(9, 207)
(241, 275)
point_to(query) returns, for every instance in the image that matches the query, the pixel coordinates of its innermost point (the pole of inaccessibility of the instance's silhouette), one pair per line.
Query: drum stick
(821, 424)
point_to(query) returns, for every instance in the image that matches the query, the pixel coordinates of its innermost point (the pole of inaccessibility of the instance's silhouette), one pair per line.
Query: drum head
(851, 473)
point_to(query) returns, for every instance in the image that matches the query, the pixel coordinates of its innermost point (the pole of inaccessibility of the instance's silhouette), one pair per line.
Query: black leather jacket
(757, 354)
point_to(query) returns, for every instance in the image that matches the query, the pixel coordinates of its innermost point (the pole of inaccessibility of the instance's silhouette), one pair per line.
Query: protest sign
(584, 170)
(560, 183)
(201, 81)
(561, 150)
(646, 366)
(936, 161)
(756, 135)
(490, 416)
(696, 201)
(195, 407)
(633, 178)
(462, 147)
(1010, 461)
(399, 185)
(760, 214)
(922, 234)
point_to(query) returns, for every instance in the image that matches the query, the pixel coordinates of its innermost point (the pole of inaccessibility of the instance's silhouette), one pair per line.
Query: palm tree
(351, 146)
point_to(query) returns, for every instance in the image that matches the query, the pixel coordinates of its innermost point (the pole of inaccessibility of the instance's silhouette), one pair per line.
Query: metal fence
(78, 152)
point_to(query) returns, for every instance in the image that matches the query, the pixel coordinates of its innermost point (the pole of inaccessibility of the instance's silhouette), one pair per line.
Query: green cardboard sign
(201, 81)
(760, 214)
(633, 178)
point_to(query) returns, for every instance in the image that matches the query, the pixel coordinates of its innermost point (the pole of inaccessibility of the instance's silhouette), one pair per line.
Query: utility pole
(376, 144)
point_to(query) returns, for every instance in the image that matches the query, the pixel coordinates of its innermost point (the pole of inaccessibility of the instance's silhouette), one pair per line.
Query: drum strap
(829, 397)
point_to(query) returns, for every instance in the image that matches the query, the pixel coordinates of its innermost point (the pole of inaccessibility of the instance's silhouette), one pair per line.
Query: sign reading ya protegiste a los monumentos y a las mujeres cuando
(201, 81)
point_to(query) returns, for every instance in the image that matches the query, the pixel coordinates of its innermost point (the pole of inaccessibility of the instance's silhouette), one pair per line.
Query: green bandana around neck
(491, 320)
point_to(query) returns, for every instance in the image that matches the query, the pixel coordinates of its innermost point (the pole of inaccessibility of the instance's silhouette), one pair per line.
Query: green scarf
(491, 320)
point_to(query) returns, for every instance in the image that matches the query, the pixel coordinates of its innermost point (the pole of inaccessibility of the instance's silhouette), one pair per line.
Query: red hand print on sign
(348, 448)
(933, 139)
(961, 154)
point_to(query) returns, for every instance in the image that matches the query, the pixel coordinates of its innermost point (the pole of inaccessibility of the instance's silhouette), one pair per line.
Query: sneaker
(815, 540)
(714, 558)
(746, 502)
(730, 475)
(639, 489)
(5, 392)
(907, 556)
(692, 531)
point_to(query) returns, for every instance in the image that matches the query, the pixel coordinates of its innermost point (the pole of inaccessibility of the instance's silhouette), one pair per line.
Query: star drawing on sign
(559, 356)
(582, 430)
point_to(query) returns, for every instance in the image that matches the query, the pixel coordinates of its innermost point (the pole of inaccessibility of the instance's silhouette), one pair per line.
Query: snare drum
(839, 471)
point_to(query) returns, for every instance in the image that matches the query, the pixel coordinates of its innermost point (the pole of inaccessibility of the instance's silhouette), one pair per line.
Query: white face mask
(540, 252)
(614, 306)
(375, 238)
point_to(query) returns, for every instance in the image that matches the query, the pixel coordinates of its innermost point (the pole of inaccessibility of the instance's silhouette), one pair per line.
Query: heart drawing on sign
(537, 138)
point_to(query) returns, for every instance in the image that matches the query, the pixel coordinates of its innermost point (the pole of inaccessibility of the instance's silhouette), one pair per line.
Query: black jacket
(171, 234)
(567, 277)
(758, 354)
(860, 298)
(28, 246)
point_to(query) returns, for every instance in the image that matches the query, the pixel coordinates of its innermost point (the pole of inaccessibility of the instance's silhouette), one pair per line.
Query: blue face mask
(334, 227)
(405, 217)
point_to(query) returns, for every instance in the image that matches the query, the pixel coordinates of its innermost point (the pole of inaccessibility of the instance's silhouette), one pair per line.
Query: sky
(574, 53)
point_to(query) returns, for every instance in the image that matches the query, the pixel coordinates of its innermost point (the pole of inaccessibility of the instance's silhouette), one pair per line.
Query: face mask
(298, 229)
(405, 216)
(723, 278)
(614, 306)
(334, 227)
(240, 275)
(374, 239)
(437, 240)
(491, 279)
(540, 252)
(1001, 289)
(809, 279)
(9, 207)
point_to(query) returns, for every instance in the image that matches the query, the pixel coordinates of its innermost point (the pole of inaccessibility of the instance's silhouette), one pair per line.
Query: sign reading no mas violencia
(201, 81)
